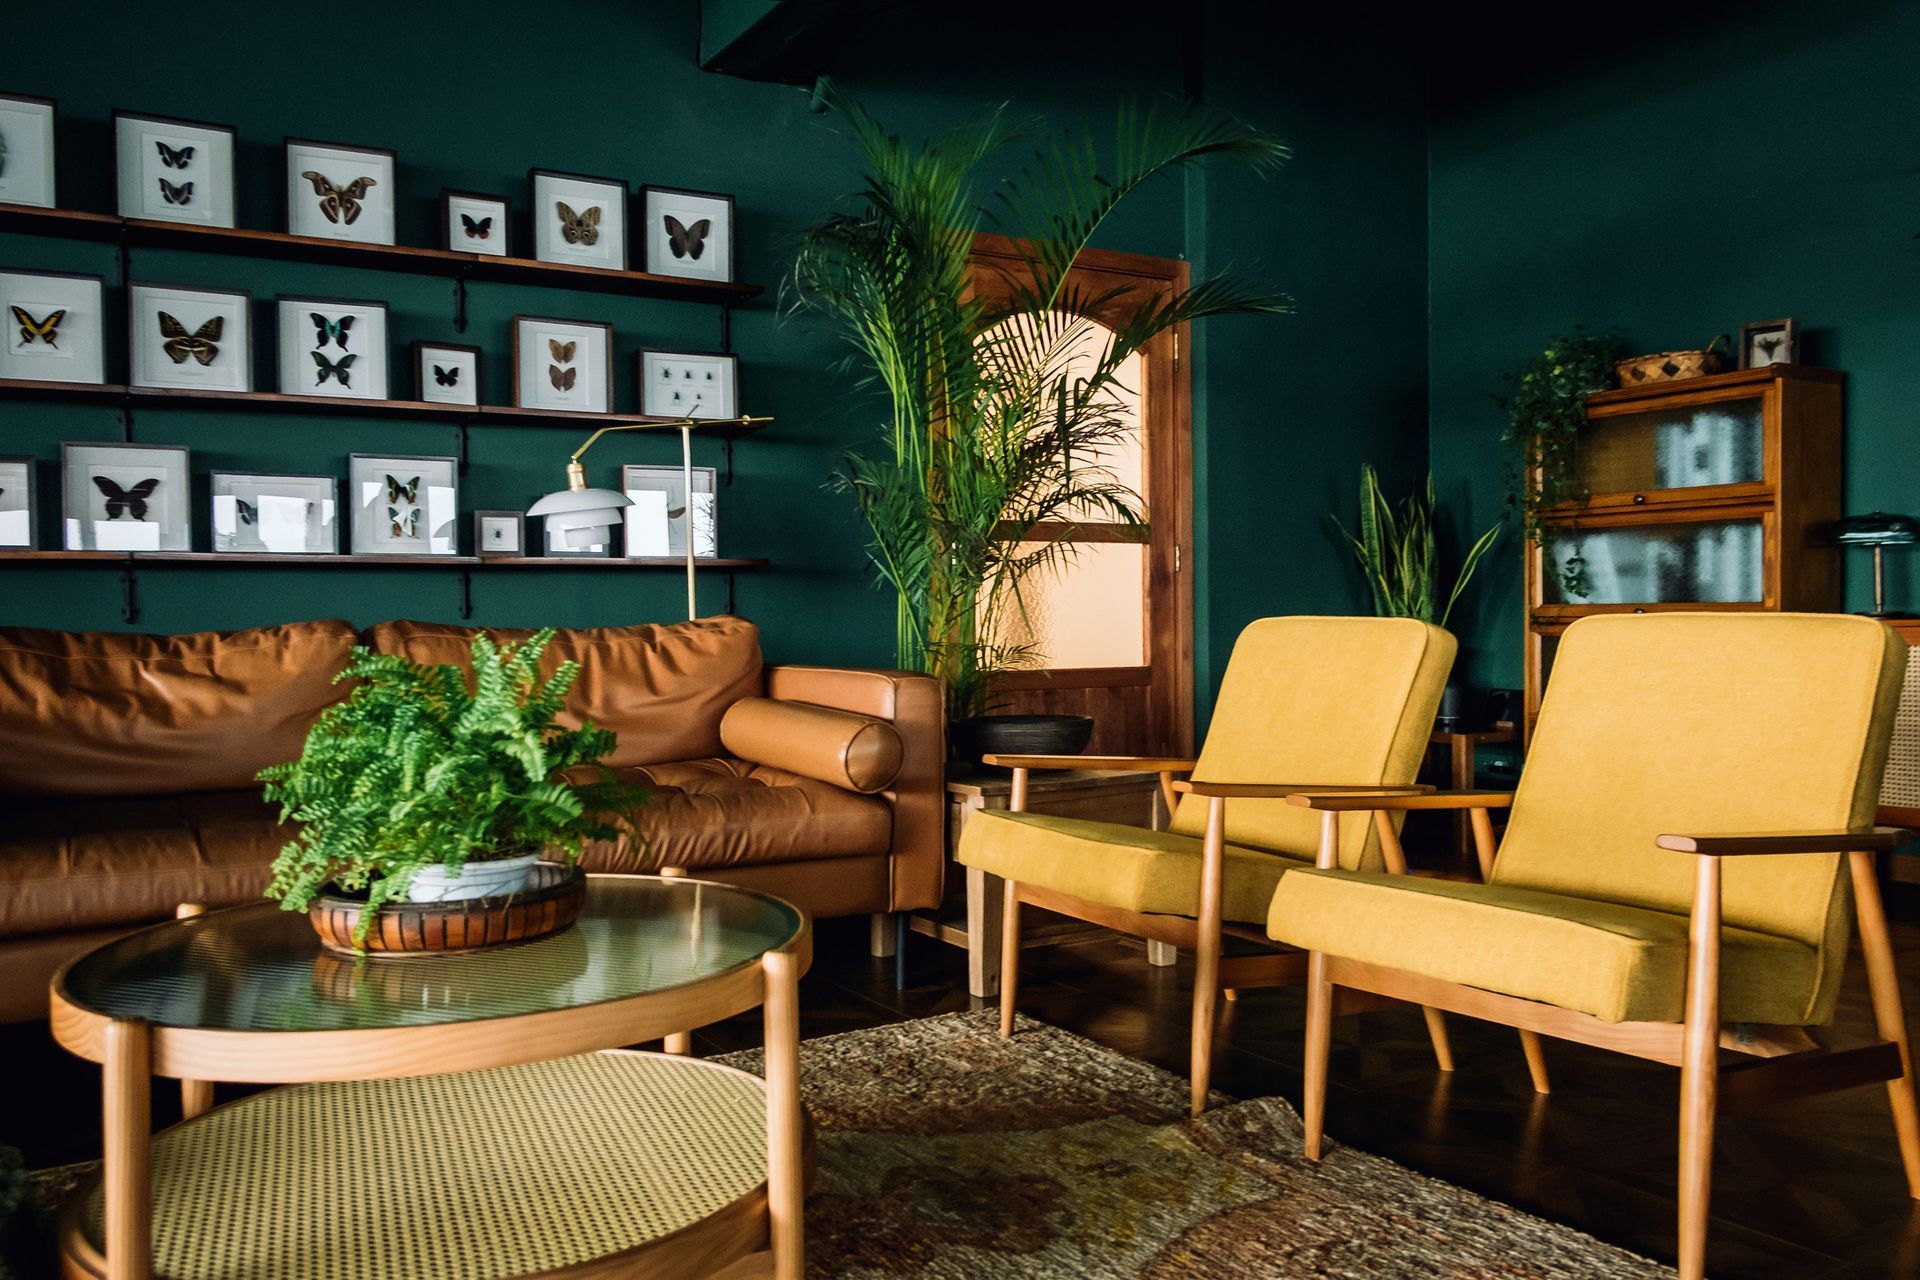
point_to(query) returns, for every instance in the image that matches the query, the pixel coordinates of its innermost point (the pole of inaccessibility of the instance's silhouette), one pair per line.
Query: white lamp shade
(568, 501)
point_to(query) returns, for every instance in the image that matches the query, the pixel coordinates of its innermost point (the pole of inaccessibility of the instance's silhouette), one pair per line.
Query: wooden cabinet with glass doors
(1702, 494)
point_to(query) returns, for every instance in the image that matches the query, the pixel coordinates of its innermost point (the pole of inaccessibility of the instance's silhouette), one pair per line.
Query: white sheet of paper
(647, 522)
(706, 541)
(283, 522)
(13, 529)
(440, 518)
(73, 542)
(326, 512)
(226, 514)
(370, 491)
(126, 535)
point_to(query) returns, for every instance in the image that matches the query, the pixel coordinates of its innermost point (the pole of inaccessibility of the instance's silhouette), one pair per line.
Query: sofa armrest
(911, 703)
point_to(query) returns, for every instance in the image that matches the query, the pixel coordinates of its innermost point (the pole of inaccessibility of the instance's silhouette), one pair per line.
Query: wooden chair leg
(1009, 957)
(1699, 1069)
(1437, 1032)
(1319, 1044)
(1206, 955)
(1536, 1061)
(1889, 1016)
(1395, 856)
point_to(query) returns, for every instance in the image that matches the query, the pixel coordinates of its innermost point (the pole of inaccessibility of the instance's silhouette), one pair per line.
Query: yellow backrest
(1335, 700)
(1693, 723)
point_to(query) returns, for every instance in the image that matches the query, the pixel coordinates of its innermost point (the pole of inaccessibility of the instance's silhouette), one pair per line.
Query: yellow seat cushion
(1616, 962)
(1151, 872)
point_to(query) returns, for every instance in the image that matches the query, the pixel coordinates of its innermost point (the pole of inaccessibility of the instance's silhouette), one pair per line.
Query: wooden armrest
(1112, 764)
(1281, 790)
(1428, 799)
(1742, 844)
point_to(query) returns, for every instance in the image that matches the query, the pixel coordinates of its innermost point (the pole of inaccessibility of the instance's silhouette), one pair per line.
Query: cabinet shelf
(74, 224)
(133, 558)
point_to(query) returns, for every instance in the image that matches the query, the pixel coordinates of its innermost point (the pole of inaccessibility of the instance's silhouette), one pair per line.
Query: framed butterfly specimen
(687, 233)
(1766, 342)
(499, 533)
(180, 337)
(662, 515)
(26, 150)
(19, 510)
(471, 222)
(270, 512)
(125, 497)
(403, 504)
(562, 364)
(174, 170)
(52, 327)
(579, 219)
(337, 192)
(446, 373)
(688, 384)
(333, 347)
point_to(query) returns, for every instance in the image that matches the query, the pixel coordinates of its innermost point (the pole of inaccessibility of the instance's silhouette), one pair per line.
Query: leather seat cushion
(106, 861)
(1154, 872)
(724, 813)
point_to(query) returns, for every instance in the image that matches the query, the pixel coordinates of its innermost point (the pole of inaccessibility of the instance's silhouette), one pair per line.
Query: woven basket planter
(550, 902)
(1672, 366)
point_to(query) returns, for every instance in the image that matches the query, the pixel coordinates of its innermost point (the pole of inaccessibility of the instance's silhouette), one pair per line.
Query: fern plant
(1396, 553)
(415, 769)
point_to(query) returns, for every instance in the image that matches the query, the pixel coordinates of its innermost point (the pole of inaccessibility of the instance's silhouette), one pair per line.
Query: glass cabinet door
(1677, 448)
(1709, 562)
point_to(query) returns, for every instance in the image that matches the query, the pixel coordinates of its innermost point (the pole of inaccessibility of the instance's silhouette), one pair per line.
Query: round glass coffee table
(457, 1117)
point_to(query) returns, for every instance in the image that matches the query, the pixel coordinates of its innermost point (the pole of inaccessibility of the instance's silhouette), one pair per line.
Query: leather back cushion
(662, 689)
(99, 713)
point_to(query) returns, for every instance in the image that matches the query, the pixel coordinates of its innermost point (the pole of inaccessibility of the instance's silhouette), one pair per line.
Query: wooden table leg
(986, 909)
(786, 1173)
(1463, 779)
(196, 1096)
(127, 1104)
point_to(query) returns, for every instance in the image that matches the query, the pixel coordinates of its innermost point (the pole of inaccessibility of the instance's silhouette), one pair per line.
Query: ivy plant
(1546, 414)
(417, 768)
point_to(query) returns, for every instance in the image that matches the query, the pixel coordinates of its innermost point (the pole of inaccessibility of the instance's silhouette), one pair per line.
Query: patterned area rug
(948, 1152)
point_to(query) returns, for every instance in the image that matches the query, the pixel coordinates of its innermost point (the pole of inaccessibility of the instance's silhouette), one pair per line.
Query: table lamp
(582, 516)
(1878, 530)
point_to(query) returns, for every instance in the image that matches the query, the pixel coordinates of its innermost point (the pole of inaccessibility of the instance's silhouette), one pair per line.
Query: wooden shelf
(74, 224)
(281, 402)
(676, 563)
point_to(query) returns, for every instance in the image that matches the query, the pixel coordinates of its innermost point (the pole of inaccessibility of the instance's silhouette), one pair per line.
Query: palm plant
(1397, 556)
(995, 426)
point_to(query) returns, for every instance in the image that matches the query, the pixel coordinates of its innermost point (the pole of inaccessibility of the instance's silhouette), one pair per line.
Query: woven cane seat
(476, 1176)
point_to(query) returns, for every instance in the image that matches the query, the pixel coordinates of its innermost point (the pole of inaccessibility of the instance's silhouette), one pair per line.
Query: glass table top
(259, 968)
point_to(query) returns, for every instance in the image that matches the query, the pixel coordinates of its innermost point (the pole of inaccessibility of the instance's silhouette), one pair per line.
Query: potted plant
(420, 788)
(990, 432)
(1546, 415)
(1397, 555)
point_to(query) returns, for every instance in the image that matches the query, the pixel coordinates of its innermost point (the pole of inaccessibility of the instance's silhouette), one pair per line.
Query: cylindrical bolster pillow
(838, 747)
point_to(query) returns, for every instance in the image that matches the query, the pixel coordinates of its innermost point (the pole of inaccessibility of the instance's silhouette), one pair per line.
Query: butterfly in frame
(332, 368)
(563, 379)
(248, 512)
(174, 157)
(578, 228)
(334, 331)
(339, 204)
(407, 526)
(132, 500)
(45, 330)
(202, 344)
(181, 195)
(477, 228)
(562, 351)
(408, 492)
(684, 241)
(446, 377)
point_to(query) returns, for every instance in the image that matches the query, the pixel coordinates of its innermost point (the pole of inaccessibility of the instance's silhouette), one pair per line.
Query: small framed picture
(56, 327)
(499, 533)
(1766, 342)
(337, 192)
(19, 511)
(279, 514)
(446, 373)
(403, 505)
(125, 497)
(562, 364)
(579, 219)
(474, 223)
(189, 337)
(26, 150)
(333, 347)
(660, 516)
(174, 170)
(688, 233)
(689, 384)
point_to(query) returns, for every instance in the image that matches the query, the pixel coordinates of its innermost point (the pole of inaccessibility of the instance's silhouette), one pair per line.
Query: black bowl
(978, 736)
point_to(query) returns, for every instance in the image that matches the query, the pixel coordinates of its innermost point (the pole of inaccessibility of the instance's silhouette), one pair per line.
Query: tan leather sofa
(127, 763)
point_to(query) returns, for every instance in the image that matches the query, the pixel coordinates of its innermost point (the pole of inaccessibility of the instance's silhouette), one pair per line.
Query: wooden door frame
(1169, 471)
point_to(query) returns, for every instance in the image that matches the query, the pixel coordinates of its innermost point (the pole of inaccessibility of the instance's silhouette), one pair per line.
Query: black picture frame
(647, 263)
(519, 321)
(625, 239)
(287, 176)
(418, 350)
(133, 322)
(282, 335)
(339, 511)
(480, 519)
(68, 517)
(230, 177)
(108, 296)
(642, 382)
(500, 234)
(53, 151)
(1789, 331)
(31, 465)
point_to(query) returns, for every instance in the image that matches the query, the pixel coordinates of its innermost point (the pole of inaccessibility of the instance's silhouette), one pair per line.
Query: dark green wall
(1742, 172)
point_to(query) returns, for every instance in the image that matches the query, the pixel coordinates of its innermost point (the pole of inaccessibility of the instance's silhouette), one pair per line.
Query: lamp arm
(742, 421)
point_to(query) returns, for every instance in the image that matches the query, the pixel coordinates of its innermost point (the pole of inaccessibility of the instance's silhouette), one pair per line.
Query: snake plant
(1397, 555)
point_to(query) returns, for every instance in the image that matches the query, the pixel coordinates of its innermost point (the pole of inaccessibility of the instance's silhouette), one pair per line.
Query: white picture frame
(446, 373)
(19, 502)
(194, 338)
(657, 522)
(343, 355)
(337, 192)
(403, 504)
(125, 497)
(675, 242)
(270, 513)
(170, 170)
(591, 229)
(689, 384)
(471, 222)
(26, 150)
(547, 350)
(37, 347)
